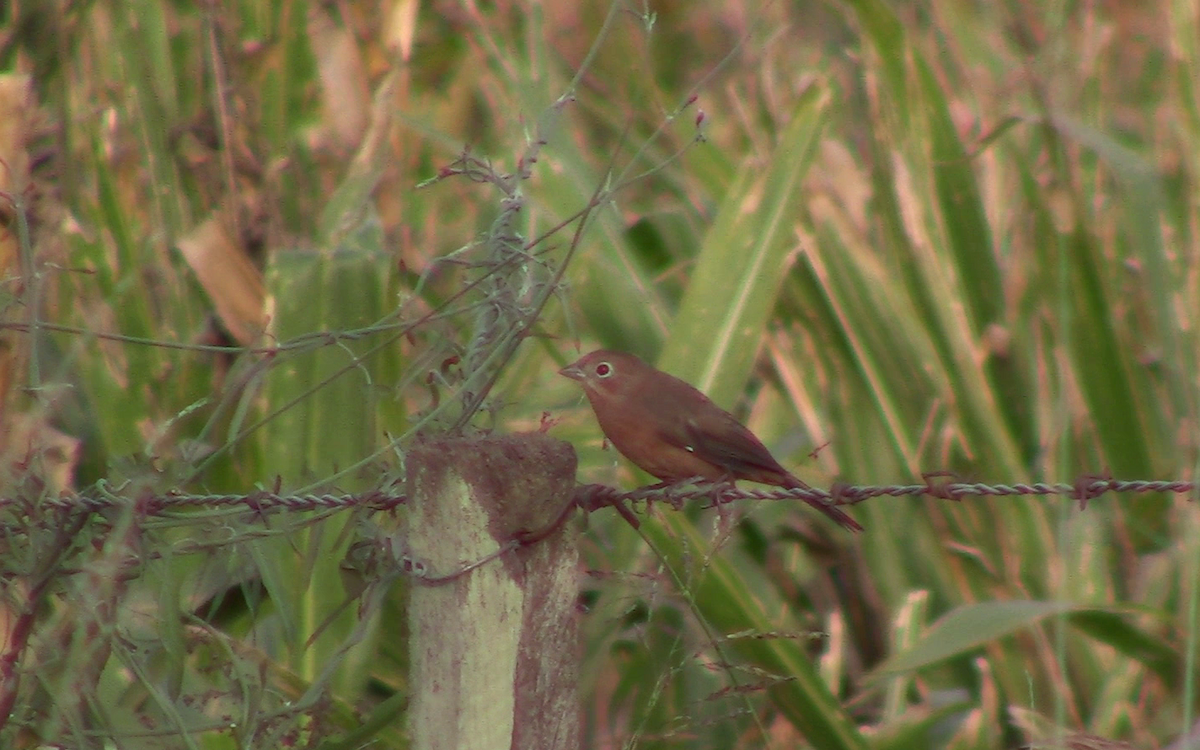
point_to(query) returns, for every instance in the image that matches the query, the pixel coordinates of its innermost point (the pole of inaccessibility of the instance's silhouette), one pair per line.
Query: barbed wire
(595, 496)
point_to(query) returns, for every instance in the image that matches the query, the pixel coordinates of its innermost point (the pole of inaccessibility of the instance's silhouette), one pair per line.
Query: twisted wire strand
(595, 496)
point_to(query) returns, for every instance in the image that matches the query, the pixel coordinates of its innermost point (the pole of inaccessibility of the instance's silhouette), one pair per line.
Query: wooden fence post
(495, 650)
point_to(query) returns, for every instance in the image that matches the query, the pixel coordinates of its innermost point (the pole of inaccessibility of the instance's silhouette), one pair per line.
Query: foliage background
(918, 237)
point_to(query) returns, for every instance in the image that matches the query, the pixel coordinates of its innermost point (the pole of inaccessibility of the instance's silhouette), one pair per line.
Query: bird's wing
(686, 419)
(725, 442)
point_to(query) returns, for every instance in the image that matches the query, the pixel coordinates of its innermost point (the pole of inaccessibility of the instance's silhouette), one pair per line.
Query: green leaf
(971, 627)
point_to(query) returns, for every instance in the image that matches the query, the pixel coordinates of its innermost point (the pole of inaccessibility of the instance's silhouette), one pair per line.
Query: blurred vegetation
(259, 244)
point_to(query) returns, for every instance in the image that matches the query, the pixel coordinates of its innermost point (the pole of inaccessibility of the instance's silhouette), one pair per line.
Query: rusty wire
(592, 497)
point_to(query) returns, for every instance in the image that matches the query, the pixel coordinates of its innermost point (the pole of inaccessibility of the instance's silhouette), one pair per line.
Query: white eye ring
(605, 370)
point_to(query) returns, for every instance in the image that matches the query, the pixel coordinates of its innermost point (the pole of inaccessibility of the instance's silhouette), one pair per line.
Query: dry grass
(269, 242)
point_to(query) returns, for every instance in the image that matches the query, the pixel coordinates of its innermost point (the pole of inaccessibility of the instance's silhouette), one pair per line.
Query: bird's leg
(723, 490)
(676, 492)
(655, 488)
(672, 492)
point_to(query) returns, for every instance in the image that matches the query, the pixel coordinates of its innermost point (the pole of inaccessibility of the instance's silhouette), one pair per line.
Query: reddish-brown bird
(673, 431)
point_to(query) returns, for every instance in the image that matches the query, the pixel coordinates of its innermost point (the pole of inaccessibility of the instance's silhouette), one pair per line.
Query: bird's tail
(837, 514)
(844, 520)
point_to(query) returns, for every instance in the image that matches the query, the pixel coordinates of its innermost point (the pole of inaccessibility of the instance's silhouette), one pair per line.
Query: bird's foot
(721, 492)
(672, 493)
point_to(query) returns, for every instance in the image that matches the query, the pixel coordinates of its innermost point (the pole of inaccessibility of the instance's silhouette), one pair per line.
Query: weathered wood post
(495, 650)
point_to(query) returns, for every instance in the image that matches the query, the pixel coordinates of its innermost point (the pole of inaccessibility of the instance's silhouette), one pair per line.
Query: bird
(673, 431)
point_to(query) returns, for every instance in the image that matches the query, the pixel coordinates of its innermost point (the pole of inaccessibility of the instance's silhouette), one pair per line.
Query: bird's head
(605, 372)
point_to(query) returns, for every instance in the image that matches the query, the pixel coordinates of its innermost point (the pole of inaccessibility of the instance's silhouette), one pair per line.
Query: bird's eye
(604, 369)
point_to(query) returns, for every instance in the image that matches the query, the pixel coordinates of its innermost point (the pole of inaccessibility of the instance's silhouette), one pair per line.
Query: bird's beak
(574, 372)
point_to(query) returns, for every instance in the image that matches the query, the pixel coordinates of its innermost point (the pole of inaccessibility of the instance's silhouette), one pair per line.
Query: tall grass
(896, 238)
